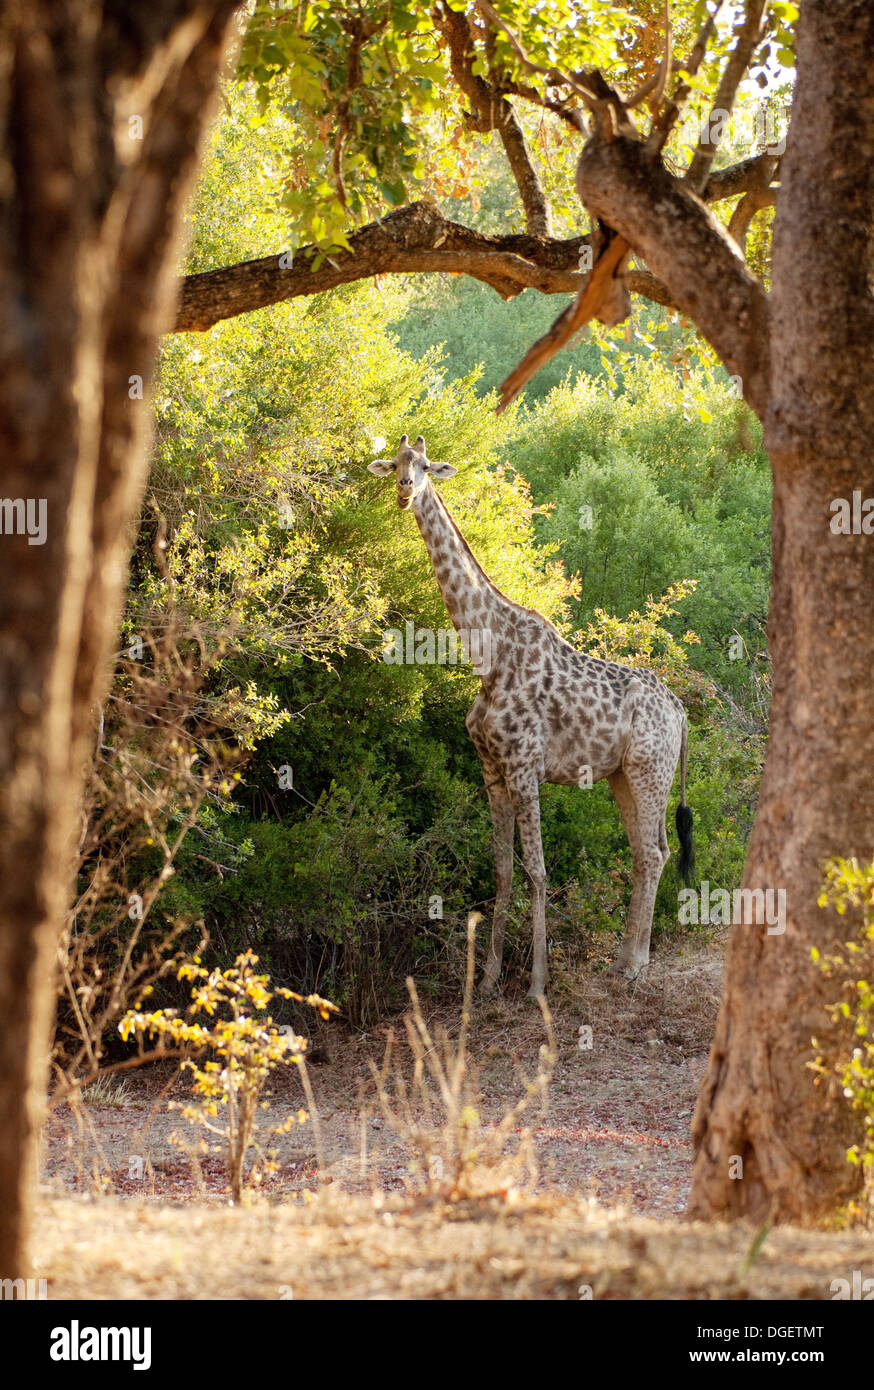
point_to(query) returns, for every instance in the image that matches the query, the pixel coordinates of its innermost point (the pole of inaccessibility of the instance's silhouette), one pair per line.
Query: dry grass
(618, 1116)
(107, 1092)
(612, 1154)
(437, 1110)
(341, 1247)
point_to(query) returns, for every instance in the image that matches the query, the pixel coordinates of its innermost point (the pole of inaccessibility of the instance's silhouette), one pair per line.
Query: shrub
(243, 1049)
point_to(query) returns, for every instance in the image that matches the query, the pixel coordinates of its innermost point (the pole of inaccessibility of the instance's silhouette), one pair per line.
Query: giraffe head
(412, 469)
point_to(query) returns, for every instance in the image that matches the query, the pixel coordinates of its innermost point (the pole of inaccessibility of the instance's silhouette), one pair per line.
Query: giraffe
(549, 713)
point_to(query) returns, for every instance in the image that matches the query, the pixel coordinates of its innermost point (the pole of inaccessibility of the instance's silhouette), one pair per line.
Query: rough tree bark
(817, 796)
(101, 119)
(804, 355)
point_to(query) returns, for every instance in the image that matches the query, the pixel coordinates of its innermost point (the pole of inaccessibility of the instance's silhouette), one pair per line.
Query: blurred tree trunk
(102, 113)
(758, 1101)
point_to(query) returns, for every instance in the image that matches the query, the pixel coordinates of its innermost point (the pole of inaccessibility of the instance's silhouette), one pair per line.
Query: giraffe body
(549, 713)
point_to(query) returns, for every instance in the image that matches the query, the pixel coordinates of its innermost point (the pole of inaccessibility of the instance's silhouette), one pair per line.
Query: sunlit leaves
(373, 109)
(353, 76)
(227, 1021)
(644, 639)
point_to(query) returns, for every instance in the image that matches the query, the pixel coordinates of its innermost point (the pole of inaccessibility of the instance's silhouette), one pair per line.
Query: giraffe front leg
(503, 825)
(527, 804)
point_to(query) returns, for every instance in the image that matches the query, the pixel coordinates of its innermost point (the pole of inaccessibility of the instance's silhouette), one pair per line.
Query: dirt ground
(599, 1213)
(616, 1128)
(399, 1248)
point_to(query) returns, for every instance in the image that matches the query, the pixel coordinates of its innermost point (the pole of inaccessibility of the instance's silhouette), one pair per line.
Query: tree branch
(418, 238)
(553, 76)
(759, 195)
(684, 246)
(749, 33)
(492, 111)
(749, 205)
(755, 172)
(602, 297)
(415, 238)
(665, 119)
(640, 281)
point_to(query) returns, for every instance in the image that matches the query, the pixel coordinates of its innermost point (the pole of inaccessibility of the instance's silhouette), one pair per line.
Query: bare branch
(749, 34)
(492, 111)
(597, 299)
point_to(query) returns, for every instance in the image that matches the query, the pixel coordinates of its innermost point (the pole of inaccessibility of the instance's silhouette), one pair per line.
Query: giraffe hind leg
(643, 812)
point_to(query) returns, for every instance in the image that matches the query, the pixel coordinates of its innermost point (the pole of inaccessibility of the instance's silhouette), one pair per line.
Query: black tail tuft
(686, 861)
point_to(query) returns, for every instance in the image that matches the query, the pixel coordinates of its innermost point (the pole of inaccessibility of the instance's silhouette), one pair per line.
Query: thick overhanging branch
(686, 248)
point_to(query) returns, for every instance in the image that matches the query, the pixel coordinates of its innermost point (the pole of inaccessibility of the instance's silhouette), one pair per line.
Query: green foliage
(367, 88)
(642, 491)
(361, 806)
(642, 639)
(477, 331)
(374, 116)
(362, 798)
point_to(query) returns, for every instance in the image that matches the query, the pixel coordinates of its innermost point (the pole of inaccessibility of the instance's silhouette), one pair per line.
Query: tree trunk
(758, 1101)
(90, 205)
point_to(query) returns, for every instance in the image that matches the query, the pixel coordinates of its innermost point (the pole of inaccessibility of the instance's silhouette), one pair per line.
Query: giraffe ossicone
(544, 711)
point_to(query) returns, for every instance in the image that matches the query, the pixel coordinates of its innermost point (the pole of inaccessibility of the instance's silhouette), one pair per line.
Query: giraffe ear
(442, 470)
(381, 466)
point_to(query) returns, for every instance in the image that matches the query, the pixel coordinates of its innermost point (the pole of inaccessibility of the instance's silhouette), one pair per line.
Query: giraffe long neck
(472, 600)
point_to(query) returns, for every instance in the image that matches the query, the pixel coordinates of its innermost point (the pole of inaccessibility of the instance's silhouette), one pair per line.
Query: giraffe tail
(686, 861)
